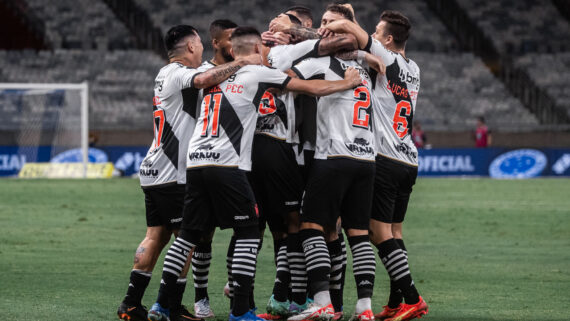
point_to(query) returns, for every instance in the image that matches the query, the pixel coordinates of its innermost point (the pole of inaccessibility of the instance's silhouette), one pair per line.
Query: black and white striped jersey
(344, 119)
(396, 94)
(224, 130)
(277, 112)
(175, 106)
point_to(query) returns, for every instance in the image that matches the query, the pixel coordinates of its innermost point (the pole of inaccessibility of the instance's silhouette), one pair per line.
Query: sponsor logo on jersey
(360, 147)
(408, 78)
(241, 217)
(406, 150)
(203, 152)
(176, 220)
(148, 172)
(562, 164)
(146, 163)
(521, 163)
(266, 123)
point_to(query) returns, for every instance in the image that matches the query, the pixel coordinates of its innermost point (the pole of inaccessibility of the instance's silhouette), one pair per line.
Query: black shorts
(164, 205)
(392, 188)
(218, 196)
(276, 181)
(339, 187)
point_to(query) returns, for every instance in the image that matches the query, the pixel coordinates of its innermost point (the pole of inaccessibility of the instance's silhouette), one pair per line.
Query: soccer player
(220, 32)
(397, 158)
(302, 13)
(340, 183)
(162, 172)
(219, 154)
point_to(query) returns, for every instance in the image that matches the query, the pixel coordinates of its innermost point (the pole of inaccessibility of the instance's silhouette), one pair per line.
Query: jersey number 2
(400, 121)
(361, 107)
(216, 100)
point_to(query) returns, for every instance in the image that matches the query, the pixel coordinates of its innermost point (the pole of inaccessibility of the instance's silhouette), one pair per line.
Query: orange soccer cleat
(410, 311)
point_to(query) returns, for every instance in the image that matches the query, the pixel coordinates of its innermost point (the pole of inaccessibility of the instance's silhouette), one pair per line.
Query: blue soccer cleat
(248, 316)
(158, 313)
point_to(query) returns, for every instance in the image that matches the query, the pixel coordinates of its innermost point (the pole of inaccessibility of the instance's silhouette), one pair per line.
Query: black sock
(364, 265)
(396, 296)
(335, 282)
(296, 260)
(137, 285)
(243, 271)
(174, 262)
(176, 298)
(396, 263)
(283, 275)
(229, 256)
(317, 259)
(200, 269)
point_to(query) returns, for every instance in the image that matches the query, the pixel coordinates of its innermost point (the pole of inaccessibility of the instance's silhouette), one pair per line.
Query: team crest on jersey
(360, 147)
(203, 152)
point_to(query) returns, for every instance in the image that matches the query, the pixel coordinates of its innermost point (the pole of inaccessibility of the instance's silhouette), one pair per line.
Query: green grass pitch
(479, 250)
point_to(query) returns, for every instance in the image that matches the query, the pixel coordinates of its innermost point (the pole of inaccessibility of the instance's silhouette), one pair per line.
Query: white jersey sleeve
(285, 56)
(311, 68)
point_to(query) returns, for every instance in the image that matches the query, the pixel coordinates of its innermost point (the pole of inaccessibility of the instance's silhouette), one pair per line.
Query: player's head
(480, 121)
(183, 41)
(220, 32)
(393, 30)
(336, 12)
(302, 13)
(245, 41)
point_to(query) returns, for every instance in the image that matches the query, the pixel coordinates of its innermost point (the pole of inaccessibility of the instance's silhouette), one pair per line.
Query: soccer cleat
(338, 316)
(388, 312)
(182, 314)
(202, 309)
(132, 313)
(367, 315)
(158, 313)
(295, 308)
(410, 311)
(277, 308)
(248, 316)
(315, 312)
(267, 316)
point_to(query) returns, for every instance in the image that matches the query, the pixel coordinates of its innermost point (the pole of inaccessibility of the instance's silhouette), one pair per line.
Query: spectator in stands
(482, 134)
(418, 135)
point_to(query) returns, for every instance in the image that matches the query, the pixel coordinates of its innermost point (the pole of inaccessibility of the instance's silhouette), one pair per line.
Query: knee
(247, 232)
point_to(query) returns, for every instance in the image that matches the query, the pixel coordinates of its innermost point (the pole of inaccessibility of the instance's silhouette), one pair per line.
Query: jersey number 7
(158, 126)
(215, 100)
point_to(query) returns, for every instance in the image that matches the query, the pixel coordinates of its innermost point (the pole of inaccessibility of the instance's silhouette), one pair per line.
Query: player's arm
(220, 73)
(361, 57)
(325, 87)
(347, 26)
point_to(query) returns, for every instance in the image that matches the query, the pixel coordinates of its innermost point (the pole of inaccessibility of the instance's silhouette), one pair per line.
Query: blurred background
(500, 67)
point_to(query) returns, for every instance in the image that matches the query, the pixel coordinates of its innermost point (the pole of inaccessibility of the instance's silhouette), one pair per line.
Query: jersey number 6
(363, 96)
(216, 99)
(400, 121)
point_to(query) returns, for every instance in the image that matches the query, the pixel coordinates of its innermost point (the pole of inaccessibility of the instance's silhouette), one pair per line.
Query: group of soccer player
(307, 131)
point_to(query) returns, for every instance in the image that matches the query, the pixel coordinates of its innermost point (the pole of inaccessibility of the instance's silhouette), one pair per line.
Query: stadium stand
(81, 24)
(458, 88)
(121, 81)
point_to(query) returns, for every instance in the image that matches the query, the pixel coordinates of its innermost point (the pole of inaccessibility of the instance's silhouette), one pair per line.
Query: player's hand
(375, 63)
(324, 32)
(253, 59)
(337, 26)
(280, 23)
(352, 76)
(282, 38)
(267, 39)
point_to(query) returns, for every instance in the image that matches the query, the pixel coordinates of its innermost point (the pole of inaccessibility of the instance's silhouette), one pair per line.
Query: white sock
(363, 305)
(322, 298)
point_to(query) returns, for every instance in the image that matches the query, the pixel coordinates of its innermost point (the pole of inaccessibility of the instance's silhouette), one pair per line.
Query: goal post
(50, 115)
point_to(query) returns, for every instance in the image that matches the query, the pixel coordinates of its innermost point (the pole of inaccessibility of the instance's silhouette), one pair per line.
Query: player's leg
(163, 205)
(196, 214)
(334, 246)
(355, 219)
(201, 259)
(297, 266)
(321, 207)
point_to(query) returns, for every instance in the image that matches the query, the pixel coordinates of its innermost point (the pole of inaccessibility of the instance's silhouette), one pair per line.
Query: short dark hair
(175, 34)
(481, 119)
(398, 26)
(294, 19)
(245, 31)
(302, 11)
(341, 10)
(220, 25)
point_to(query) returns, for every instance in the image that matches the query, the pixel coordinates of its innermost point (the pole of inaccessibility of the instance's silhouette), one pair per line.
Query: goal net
(45, 123)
